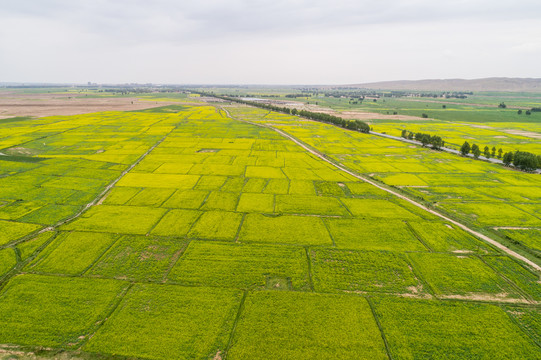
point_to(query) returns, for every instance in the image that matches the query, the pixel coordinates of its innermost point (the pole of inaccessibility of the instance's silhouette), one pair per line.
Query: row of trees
(357, 125)
(488, 153)
(522, 160)
(425, 139)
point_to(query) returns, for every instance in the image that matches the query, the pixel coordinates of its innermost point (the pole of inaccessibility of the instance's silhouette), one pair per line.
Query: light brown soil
(523, 133)
(40, 105)
(487, 297)
(351, 114)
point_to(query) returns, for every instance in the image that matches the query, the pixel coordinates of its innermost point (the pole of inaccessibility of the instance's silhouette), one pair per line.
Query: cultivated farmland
(194, 233)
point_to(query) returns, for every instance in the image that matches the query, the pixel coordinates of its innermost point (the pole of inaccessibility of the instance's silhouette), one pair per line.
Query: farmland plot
(230, 241)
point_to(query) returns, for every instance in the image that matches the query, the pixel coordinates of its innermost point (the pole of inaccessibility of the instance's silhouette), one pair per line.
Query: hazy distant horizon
(294, 42)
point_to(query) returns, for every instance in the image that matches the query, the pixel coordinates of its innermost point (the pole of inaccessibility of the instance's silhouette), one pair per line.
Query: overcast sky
(267, 41)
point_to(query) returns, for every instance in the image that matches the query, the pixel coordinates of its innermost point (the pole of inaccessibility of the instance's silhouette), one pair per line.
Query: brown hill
(487, 84)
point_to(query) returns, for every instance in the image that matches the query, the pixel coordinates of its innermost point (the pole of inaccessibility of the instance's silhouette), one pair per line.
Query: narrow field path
(341, 167)
(98, 199)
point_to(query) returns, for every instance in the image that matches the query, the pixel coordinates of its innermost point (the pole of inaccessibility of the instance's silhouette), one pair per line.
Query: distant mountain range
(486, 84)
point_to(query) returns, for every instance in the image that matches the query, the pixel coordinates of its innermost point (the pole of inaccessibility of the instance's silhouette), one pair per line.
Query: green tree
(475, 151)
(494, 151)
(507, 158)
(500, 151)
(404, 134)
(519, 112)
(502, 105)
(465, 148)
(525, 161)
(486, 152)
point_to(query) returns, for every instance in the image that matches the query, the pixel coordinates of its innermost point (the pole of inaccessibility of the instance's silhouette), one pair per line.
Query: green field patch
(491, 214)
(287, 229)
(217, 169)
(461, 275)
(40, 310)
(391, 235)
(150, 197)
(526, 280)
(28, 248)
(266, 172)
(233, 184)
(210, 182)
(270, 161)
(74, 183)
(8, 260)
(328, 188)
(363, 189)
(173, 168)
(301, 187)
(252, 202)
(294, 325)
(120, 195)
(176, 223)
(242, 266)
(300, 174)
(220, 225)
(442, 237)
(18, 209)
(375, 271)
(11, 230)
(310, 204)
(219, 200)
(147, 165)
(255, 185)
(139, 258)
(186, 199)
(377, 208)
(429, 329)
(175, 181)
(169, 322)
(402, 180)
(529, 320)
(50, 214)
(72, 253)
(117, 219)
(277, 186)
(328, 174)
(530, 238)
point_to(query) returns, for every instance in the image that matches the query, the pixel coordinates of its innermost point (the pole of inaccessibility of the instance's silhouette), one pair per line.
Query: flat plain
(211, 236)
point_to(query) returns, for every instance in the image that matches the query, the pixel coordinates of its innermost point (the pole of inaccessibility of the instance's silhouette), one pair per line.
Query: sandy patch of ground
(40, 105)
(351, 114)
(487, 297)
(529, 134)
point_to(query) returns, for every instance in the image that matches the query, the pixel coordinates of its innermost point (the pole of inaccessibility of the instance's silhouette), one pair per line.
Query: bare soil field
(357, 115)
(39, 105)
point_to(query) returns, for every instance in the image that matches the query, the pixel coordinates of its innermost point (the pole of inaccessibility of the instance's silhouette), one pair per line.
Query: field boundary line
(309, 262)
(175, 259)
(421, 240)
(341, 167)
(239, 312)
(97, 200)
(379, 327)
(116, 303)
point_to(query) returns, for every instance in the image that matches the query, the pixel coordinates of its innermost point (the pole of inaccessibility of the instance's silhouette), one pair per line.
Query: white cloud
(263, 41)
